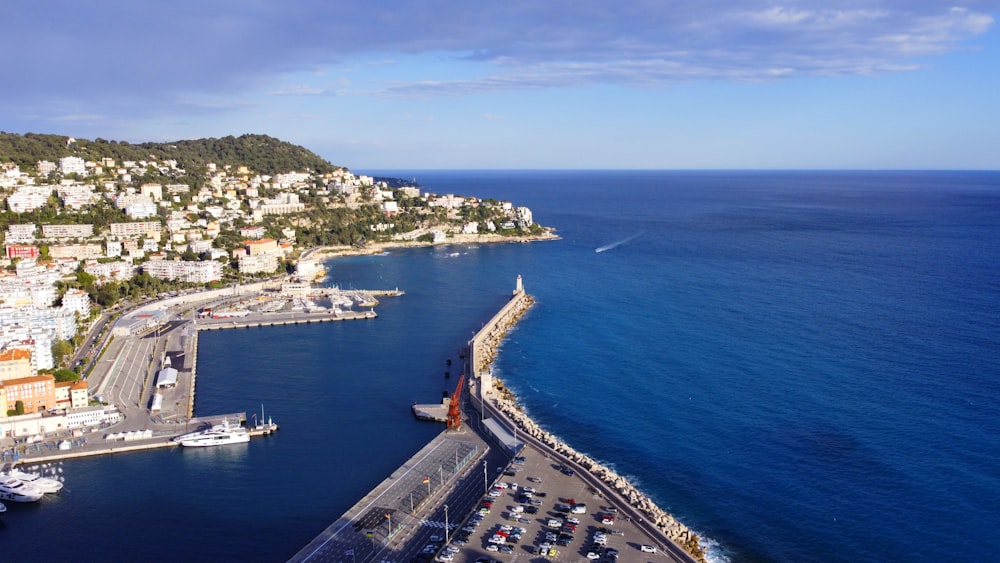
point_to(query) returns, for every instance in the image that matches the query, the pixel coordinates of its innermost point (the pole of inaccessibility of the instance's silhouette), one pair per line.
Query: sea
(799, 365)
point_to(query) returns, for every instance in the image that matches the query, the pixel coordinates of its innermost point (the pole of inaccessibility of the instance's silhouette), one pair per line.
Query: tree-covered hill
(260, 153)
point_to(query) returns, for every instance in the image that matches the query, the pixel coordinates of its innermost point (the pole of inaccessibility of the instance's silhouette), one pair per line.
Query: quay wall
(483, 346)
(244, 322)
(194, 372)
(101, 449)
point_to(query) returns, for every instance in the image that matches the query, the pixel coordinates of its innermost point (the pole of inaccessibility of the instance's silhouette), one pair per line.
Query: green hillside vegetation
(260, 153)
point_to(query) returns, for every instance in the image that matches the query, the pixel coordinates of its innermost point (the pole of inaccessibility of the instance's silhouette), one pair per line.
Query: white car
(648, 548)
(593, 555)
(495, 492)
(493, 547)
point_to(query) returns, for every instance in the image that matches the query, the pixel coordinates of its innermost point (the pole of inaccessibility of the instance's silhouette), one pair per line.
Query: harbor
(440, 488)
(382, 526)
(145, 373)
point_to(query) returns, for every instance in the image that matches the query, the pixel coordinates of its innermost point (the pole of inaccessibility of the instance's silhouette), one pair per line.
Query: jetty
(387, 524)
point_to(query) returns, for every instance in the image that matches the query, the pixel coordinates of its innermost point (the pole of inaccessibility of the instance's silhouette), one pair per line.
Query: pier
(281, 319)
(387, 525)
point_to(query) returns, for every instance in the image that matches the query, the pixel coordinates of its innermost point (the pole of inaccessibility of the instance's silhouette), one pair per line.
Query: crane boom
(454, 406)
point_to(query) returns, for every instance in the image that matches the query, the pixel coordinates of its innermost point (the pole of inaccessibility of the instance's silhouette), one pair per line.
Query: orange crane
(454, 408)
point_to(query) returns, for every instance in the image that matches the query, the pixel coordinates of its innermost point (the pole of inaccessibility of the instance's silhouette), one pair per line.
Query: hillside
(260, 153)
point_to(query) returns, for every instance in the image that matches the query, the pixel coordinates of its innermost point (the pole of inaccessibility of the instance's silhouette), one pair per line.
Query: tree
(60, 350)
(62, 375)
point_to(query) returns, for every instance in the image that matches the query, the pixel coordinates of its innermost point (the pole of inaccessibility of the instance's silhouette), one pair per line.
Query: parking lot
(537, 511)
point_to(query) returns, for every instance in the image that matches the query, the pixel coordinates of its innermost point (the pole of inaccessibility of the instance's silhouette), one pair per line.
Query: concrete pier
(389, 520)
(387, 525)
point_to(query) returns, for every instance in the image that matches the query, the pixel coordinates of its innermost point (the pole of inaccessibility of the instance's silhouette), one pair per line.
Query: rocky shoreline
(506, 402)
(379, 247)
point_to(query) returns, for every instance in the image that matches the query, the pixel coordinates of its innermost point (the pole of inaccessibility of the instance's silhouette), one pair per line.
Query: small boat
(217, 435)
(44, 484)
(17, 490)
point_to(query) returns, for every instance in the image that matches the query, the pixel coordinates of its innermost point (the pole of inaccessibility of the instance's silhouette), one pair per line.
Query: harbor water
(801, 366)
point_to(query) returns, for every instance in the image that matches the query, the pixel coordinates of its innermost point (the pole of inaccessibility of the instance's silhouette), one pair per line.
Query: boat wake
(615, 244)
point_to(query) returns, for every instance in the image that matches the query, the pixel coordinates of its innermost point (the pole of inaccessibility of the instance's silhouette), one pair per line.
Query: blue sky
(522, 84)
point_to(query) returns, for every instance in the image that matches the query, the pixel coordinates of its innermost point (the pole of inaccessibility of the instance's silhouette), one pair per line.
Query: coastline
(325, 252)
(506, 404)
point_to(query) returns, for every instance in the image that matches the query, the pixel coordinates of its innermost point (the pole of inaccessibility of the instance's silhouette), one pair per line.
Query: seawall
(500, 401)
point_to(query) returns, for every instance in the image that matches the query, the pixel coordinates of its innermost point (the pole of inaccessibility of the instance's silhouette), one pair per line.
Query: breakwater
(483, 349)
(484, 345)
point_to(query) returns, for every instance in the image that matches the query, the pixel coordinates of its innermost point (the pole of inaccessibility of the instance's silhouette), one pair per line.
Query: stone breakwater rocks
(674, 530)
(488, 344)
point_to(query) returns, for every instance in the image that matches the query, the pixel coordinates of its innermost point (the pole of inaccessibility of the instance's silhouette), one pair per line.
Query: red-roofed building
(15, 363)
(21, 251)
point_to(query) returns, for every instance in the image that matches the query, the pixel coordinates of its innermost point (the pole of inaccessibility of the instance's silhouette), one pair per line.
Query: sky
(537, 84)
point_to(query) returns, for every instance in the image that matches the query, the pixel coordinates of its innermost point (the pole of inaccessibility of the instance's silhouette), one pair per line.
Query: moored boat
(44, 484)
(217, 435)
(17, 490)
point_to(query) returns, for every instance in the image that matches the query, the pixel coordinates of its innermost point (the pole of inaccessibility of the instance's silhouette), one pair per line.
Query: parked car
(646, 548)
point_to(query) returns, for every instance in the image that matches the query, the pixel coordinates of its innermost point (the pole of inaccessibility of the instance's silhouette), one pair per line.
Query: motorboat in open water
(44, 484)
(217, 435)
(17, 490)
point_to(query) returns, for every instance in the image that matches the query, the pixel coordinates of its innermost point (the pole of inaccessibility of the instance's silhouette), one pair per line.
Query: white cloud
(297, 90)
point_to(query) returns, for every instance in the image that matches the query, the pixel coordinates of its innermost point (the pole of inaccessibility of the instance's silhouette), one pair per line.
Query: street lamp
(446, 540)
(486, 481)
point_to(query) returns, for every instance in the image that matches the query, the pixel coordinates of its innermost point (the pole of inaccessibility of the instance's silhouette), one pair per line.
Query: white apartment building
(194, 272)
(78, 301)
(149, 229)
(67, 231)
(152, 191)
(76, 196)
(72, 165)
(281, 205)
(44, 167)
(109, 271)
(81, 251)
(29, 198)
(112, 248)
(20, 234)
(258, 264)
(58, 323)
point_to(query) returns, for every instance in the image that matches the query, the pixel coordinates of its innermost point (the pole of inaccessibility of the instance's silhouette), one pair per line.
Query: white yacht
(44, 484)
(17, 490)
(217, 435)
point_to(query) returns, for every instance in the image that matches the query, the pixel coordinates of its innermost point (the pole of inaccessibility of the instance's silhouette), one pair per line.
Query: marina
(148, 369)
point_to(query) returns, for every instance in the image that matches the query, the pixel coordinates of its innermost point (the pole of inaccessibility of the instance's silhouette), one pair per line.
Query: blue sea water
(802, 366)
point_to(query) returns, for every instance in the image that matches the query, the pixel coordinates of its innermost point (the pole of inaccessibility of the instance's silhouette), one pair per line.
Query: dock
(434, 412)
(272, 319)
(390, 517)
